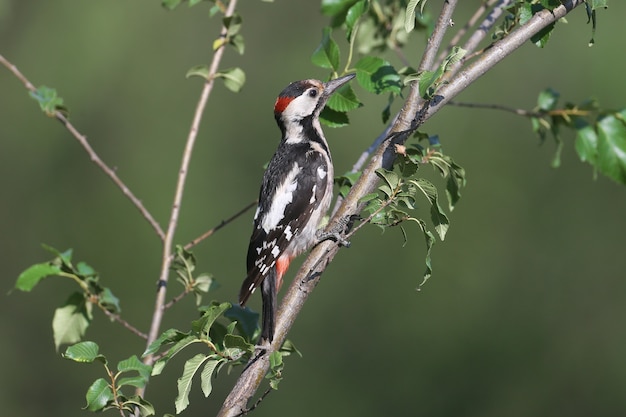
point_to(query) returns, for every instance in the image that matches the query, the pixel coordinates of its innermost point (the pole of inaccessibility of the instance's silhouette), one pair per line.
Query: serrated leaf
(207, 373)
(344, 99)
(326, 55)
(134, 364)
(136, 381)
(234, 78)
(332, 118)
(211, 313)
(377, 75)
(84, 352)
(71, 320)
(391, 178)
(177, 347)
(98, 395)
(185, 381)
(409, 22)
(35, 273)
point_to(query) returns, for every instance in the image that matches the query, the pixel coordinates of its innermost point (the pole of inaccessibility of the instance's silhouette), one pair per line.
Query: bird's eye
(312, 92)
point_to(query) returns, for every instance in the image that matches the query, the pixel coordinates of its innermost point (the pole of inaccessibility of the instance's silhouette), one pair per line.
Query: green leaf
(201, 71)
(177, 347)
(276, 367)
(344, 99)
(238, 43)
(612, 146)
(109, 301)
(548, 99)
(207, 373)
(31, 276)
(184, 382)
(247, 320)
(49, 101)
(98, 395)
(327, 53)
(430, 241)
(586, 141)
(409, 22)
(84, 352)
(145, 408)
(377, 75)
(354, 14)
(234, 78)
(71, 320)
(332, 118)
(211, 313)
(134, 364)
(438, 217)
(170, 4)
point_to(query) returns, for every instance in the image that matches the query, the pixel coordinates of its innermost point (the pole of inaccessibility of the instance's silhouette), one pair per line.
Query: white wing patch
(284, 196)
(321, 172)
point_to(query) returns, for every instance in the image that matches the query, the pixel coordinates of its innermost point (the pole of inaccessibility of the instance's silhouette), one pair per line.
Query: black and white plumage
(295, 194)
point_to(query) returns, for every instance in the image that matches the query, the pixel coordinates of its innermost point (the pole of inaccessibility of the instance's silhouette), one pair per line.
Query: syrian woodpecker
(295, 194)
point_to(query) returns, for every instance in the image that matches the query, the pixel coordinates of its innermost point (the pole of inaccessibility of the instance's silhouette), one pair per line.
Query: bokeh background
(525, 314)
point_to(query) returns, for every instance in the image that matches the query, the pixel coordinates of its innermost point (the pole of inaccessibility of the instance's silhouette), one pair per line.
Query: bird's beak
(332, 85)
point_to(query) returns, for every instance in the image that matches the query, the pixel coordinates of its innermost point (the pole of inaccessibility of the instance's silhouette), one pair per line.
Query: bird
(295, 193)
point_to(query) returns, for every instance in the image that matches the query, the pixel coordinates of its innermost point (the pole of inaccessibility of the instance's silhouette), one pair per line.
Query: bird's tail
(268, 293)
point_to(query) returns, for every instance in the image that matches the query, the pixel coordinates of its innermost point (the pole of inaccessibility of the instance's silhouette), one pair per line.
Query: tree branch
(82, 139)
(157, 316)
(409, 119)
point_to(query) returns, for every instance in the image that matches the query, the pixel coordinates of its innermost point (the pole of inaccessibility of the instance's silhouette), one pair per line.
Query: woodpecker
(295, 194)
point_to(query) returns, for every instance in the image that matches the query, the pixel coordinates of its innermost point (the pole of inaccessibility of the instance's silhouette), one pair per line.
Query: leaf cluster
(105, 394)
(600, 134)
(71, 319)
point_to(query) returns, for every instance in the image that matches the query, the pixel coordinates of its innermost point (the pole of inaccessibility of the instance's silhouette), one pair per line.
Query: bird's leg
(337, 232)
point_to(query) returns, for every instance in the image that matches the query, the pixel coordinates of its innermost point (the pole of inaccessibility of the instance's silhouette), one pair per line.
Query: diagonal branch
(82, 139)
(310, 272)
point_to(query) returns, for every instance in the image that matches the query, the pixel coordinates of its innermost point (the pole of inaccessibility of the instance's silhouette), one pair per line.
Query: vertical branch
(157, 316)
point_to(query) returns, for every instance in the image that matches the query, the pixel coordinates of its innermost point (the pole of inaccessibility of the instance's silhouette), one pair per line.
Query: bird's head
(305, 98)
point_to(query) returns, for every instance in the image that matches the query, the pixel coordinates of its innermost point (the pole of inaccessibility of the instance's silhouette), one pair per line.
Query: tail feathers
(268, 293)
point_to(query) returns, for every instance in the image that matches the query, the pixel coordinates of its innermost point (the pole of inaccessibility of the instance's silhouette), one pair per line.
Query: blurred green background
(525, 314)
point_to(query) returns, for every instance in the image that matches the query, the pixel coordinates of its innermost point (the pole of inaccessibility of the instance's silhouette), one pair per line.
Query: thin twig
(82, 139)
(157, 316)
(477, 37)
(522, 112)
(223, 223)
(462, 31)
(127, 325)
(176, 299)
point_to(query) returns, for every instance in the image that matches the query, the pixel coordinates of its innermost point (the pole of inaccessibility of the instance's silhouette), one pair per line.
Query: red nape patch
(282, 103)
